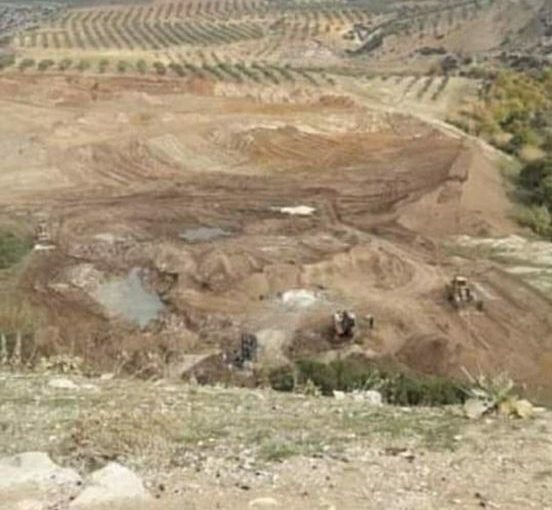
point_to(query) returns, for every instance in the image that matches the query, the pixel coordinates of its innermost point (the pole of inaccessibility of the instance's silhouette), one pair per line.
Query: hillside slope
(200, 447)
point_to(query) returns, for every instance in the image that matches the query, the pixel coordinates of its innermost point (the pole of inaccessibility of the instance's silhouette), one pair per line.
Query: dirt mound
(431, 354)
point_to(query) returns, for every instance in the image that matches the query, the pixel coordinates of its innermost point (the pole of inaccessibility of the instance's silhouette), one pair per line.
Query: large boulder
(33, 468)
(111, 484)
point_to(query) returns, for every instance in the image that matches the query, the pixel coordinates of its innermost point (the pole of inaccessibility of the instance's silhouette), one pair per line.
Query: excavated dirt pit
(343, 207)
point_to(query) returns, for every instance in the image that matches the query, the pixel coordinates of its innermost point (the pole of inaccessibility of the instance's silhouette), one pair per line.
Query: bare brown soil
(122, 168)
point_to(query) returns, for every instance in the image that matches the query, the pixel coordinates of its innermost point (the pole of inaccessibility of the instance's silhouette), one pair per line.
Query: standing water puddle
(128, 298)
(199, 234)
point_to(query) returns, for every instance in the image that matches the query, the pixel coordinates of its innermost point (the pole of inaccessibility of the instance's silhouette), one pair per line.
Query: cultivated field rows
(310, 33)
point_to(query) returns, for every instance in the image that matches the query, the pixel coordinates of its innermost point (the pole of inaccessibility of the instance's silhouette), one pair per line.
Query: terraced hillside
(262, 40)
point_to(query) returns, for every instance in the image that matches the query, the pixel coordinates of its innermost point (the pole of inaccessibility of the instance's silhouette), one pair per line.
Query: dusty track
(121, 174)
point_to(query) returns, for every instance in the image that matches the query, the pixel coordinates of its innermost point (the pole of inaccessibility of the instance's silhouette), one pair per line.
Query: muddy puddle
(202, 234)
(127, 298)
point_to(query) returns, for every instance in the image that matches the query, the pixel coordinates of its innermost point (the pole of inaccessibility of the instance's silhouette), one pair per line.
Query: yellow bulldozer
(461, 293)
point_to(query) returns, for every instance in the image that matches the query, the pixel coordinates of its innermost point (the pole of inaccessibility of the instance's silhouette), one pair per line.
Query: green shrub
(43, 65)
(321, 374)
(6, 61)
(177, 68)
(141, 66)
(103, 65)
(518, 104)
(535, 179)
(122, 66)
(537, 218)
(26, 63)
(407, 390)
(397, 387)
(12, 249)
(282, 379)
(65, 64)
(160, 68)
(83, 65)
(534, 174)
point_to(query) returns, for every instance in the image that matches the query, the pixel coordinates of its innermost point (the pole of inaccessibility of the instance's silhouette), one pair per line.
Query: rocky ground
(184, 446)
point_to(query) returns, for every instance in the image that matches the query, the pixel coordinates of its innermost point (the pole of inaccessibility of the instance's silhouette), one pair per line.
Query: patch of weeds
(114, 434)
(60, 402)
(194, 433)
(434, 432)
(260, 435)
(278, 451)
(440, 434)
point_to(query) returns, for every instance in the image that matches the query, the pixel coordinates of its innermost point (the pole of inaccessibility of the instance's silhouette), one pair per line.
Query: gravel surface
(210, 447)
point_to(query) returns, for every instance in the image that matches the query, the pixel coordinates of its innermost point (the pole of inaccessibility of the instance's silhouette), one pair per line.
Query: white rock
(372, 397)
(475, 408)
(263, 503)
(299, 298)
(90, 387)
(339, 395)
(35, 468)
(113, 483)
(61, 383)
(298, 210)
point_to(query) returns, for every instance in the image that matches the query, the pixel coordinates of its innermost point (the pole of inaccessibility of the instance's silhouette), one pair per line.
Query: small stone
(339, 395)
(35, 468)
(408, 455)
(90, 387)
(61, 383)
(373, 398)
(475, 408)
(263, 503)
(113, 483)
